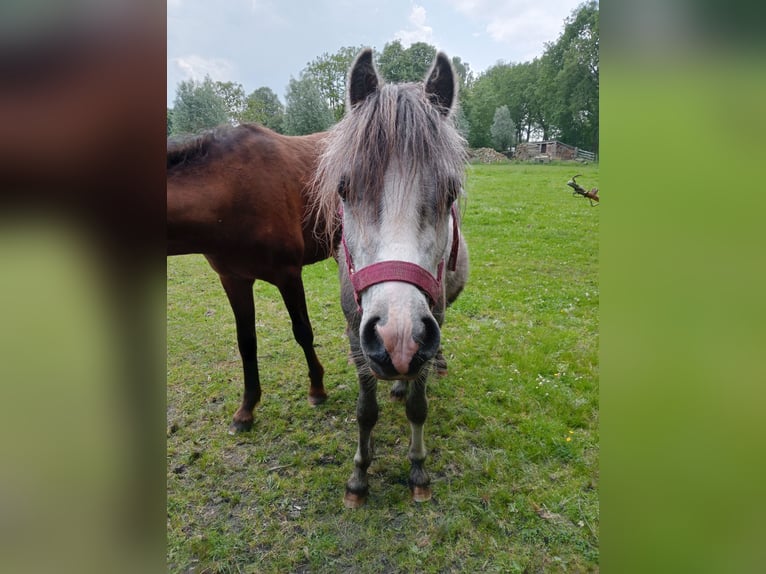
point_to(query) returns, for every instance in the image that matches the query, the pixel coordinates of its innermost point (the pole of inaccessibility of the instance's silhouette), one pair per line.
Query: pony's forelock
(396, 120)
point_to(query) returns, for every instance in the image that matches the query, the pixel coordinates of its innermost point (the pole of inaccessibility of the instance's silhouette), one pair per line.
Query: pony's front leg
(417, 410)
(366, 417)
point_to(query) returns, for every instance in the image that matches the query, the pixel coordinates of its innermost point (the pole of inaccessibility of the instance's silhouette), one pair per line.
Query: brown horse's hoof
(240, 426)
(317, 400)
(440, 365)
(421, 493)
(353, 500)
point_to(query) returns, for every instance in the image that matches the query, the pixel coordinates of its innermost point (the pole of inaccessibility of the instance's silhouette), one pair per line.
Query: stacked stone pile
(486, 155)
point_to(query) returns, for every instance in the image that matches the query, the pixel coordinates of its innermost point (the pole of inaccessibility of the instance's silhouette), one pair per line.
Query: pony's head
(395, 163)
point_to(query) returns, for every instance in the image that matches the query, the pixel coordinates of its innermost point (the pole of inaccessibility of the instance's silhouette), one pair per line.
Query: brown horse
(238, 195)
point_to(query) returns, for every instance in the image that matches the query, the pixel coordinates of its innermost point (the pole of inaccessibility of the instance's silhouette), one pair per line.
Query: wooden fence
(586, 155)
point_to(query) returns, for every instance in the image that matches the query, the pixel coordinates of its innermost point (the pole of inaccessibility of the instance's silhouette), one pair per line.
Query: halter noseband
(402, 271)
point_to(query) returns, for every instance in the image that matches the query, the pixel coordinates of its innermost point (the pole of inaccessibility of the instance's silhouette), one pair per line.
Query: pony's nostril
(428, 339)
(371, 342)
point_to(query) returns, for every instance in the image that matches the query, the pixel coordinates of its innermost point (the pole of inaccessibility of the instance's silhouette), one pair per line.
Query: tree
(197, 106)
(464, 73)
(169, 122)
(306, 111)
(570, 70)
(554, 96)
(510, 85)
(392, 64)
(503, 129)
(480, 104)
(329, 73)
(461, 122)
(397, 64)
(421, 57)
(233, 96)
(540, 94)
(263, 106)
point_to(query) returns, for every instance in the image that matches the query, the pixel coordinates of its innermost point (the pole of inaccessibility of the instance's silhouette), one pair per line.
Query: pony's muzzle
(399, 349)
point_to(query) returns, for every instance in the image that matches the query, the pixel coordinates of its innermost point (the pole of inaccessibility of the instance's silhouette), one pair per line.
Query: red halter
(403, 271)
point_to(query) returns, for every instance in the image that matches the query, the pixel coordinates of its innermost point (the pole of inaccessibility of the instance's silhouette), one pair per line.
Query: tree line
(554, 96)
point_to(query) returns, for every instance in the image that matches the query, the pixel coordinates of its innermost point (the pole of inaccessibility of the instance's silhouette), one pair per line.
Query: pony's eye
(343, 188)
(453, 190)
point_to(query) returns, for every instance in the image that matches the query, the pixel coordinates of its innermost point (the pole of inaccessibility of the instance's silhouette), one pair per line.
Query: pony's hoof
(421, 493)
(240, 426)
(315, 400)
(354, 500)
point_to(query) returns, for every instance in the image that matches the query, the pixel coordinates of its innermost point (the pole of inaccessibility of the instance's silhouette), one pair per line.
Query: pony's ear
(440, 84)
(363, 78)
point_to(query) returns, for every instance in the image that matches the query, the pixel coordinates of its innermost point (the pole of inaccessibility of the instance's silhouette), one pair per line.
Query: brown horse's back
(239, 196)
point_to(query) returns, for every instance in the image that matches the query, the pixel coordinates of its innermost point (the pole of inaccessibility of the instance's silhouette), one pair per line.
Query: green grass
(512, 430)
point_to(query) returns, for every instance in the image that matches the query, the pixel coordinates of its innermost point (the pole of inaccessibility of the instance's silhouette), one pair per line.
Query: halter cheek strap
(452, 262)
(403, 271)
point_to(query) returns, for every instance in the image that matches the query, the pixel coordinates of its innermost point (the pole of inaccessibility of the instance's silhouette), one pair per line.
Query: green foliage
(263, 106)
(306, 111)
(480, 105)
(463, 71)
(329, 73)
(552, 96)
(528, 112)
(203, 105)
(461, 122)
(570, 67)
(512, 432)
(233, 96)
(169, 122)
(198, 106)
(510, 85)
(542, 97)
(397, 64)
(503, 129)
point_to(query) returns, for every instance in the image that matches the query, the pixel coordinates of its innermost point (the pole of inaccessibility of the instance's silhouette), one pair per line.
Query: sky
(266, 42)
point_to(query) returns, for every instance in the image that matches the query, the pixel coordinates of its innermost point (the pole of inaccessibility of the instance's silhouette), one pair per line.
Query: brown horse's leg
(240, 294)
(366, 417)
(295, 300)
(417, 410)
(440, 364)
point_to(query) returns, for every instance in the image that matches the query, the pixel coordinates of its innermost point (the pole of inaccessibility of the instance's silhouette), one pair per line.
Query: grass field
(512, 431)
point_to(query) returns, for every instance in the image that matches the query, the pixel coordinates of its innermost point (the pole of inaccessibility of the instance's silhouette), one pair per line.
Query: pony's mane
(396, 120)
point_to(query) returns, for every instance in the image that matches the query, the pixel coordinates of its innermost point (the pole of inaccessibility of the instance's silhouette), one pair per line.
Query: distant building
(545, 151)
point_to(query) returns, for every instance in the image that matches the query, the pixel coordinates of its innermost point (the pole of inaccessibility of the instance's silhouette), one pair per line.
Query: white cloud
(466, 6)
(417, 31)
(524, 26)
(193, 67)
(521, 24)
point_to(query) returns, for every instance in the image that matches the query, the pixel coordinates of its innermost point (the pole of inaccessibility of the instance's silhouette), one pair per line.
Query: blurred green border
(683, 260)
